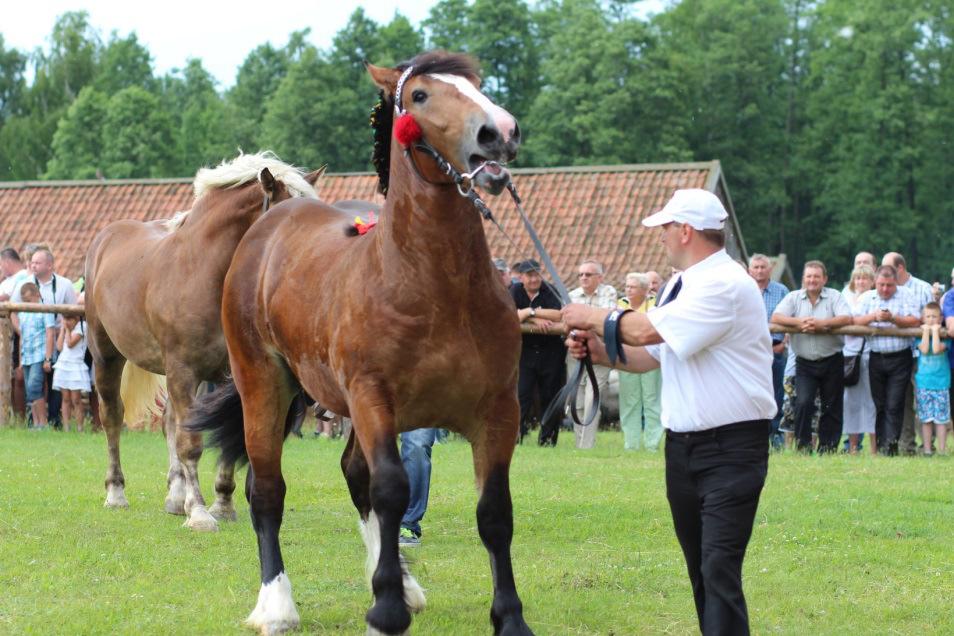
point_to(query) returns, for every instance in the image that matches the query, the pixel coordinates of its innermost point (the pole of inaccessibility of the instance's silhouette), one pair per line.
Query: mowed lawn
(842, 545)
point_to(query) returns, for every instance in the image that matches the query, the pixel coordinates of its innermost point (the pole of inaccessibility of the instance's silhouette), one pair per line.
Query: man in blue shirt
(760, 269)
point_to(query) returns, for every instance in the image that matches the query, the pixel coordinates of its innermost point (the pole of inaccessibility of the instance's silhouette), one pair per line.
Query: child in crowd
(932, 382)
(71, 375)
(36, 352)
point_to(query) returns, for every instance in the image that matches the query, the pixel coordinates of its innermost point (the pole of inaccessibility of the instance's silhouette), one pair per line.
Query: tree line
(832, 118)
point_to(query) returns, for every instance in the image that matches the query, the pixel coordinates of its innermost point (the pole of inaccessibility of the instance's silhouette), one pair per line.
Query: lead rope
(464, 182)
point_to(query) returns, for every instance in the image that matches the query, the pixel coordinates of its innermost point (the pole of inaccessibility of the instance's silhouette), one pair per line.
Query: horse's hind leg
(181, 386)
(108, 375)
(175, 478)
(223, 509)
(356, 472)
(493, 447)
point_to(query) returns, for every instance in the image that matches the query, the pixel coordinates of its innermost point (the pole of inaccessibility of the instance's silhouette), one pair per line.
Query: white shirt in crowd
(65, 294)
(11, 284)
(716, 360)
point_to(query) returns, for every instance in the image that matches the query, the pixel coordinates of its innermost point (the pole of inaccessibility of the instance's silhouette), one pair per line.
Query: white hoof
(200, 520)
(275, 611)
(223, 511)
(115, 497)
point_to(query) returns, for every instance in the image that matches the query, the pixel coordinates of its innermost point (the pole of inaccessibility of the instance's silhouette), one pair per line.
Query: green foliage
(841, 545)
(12, 84)
(122, 63)
(78, 142)
(137, 136)
(831, 118)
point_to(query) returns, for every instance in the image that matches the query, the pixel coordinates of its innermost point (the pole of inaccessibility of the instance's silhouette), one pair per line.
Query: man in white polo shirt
(709, 336)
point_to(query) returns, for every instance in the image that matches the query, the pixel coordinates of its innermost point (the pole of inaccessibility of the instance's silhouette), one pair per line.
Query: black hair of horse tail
(219, 414)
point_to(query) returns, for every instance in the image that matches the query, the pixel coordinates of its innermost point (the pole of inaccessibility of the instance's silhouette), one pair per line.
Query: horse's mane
(382, 115)
(244, 168)
(241, 170)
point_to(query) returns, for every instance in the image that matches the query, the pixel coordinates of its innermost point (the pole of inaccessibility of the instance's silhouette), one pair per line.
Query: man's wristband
(611, 336)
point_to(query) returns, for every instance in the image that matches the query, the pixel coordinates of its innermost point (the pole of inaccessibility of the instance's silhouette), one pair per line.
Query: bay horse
(153, 306)
(405, 326)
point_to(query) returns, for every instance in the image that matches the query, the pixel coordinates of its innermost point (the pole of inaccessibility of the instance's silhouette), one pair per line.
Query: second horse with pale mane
(403, 327)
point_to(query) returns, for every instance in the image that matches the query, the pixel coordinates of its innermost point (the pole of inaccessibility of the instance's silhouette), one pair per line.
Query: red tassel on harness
(363, 226)
(407, 130)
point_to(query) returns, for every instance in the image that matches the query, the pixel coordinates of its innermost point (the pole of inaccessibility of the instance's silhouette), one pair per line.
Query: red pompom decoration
(406, 130)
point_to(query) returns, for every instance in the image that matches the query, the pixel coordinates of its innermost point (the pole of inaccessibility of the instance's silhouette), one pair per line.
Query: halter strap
(398, 106)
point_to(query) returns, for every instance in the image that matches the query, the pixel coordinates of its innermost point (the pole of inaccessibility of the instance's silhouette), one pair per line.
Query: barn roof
(579, 212)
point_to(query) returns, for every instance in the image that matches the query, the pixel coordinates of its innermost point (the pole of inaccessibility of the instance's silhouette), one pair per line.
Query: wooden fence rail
(556, 329)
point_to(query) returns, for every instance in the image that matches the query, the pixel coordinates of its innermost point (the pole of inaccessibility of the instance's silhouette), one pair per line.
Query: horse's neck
(432, 227)
(227, 213)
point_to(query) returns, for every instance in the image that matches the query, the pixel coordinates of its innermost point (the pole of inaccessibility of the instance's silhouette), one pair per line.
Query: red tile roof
(579, 212)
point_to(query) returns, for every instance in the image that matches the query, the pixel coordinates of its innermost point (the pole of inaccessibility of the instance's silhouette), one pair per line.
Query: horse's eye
(419, 96)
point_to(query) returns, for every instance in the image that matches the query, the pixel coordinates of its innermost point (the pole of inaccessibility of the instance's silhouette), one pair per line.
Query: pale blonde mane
(241, 170)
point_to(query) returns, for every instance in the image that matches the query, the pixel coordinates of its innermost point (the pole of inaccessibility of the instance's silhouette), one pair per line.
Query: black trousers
(890, 374)
(713, 482)
(543, 374)
(828, 376)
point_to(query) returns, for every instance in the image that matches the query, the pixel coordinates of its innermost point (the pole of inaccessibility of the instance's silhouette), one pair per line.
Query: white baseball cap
(699, 208)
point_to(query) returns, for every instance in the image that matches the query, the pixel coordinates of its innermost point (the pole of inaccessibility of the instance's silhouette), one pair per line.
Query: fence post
(6, 368)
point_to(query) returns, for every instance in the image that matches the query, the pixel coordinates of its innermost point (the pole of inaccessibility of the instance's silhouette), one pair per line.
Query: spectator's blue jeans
(778, 372)
(33, 377)
(416, 456)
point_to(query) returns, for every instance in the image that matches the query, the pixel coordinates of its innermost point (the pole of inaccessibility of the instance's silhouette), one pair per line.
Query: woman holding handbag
(859, 407)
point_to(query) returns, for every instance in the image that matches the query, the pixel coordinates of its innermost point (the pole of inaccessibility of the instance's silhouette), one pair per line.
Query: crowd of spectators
(51, 374)
(830, 389)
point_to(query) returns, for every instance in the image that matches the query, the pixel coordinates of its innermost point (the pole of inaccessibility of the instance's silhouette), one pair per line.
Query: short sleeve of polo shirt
(840, 305)
(696, 319)
(947, 304)
(786, 306)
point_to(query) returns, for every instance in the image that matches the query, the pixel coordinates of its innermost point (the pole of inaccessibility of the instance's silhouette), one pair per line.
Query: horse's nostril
(515, 135)
(486, 136)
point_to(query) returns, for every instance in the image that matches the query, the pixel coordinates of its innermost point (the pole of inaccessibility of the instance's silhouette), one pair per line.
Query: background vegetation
(842, 545)
(832, 118)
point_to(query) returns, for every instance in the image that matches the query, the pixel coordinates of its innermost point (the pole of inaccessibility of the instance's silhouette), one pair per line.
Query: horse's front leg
(182, 386)
(492, 446)
(388, 493)
(108, 376)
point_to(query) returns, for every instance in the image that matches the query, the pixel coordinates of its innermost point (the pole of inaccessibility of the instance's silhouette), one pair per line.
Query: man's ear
(384, 78)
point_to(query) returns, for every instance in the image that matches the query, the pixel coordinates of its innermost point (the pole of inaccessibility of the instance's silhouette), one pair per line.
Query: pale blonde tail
(143, 394)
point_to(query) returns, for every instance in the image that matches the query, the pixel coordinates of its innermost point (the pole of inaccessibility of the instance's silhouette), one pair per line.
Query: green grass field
(842, 545)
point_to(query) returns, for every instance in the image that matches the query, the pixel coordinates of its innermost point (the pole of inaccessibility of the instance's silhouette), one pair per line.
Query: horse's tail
(220, 414)
(143, 394)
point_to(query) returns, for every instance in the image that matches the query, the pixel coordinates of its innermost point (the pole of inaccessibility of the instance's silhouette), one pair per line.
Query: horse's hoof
(175, 506)
(275, 612)
(115, 497)
(201, 521)
(223, 512)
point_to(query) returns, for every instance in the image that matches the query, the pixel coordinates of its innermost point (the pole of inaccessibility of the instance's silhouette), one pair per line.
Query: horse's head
(441, 92)
(276, 190)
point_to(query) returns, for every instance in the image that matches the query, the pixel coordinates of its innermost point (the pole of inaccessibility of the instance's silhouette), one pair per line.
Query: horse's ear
(267, 180)
(312, 177)
(385, 78)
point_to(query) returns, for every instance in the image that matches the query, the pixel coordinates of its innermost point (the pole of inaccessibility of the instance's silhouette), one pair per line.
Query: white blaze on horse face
(504, 121)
